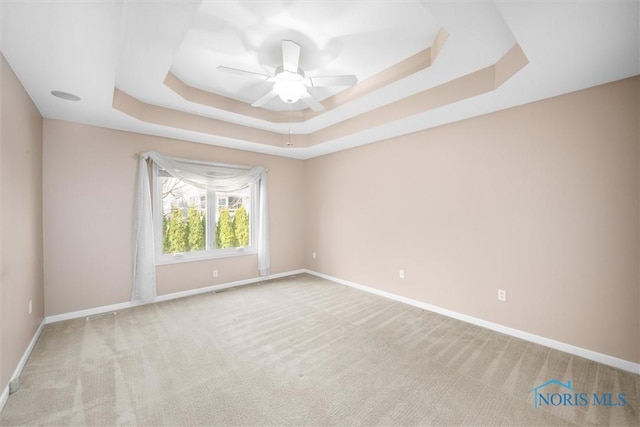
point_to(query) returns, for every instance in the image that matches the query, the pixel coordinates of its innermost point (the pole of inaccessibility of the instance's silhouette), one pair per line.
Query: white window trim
(211, 252)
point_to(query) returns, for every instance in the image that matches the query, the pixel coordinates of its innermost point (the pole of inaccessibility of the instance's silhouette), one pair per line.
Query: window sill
(207, 257)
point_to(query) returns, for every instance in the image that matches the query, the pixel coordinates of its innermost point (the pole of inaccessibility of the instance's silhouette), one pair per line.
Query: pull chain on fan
(289, 143)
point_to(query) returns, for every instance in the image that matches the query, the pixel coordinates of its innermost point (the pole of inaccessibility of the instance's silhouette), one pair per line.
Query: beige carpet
(299, 351)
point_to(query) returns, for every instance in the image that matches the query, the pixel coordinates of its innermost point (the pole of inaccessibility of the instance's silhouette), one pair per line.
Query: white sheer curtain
(144, 268)
(201, 175)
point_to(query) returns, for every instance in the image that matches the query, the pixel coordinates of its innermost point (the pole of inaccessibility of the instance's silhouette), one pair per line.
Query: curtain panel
(201, 175)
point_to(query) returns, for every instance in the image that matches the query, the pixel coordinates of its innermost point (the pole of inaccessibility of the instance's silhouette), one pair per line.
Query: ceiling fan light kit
(289, 86)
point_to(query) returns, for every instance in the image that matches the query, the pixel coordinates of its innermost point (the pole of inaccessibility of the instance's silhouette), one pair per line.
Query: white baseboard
(226, 285)
(557, 345)
(16, 373)
(120, 306)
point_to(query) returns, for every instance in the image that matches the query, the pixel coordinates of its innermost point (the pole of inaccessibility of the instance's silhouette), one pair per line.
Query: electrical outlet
(30, 306)
(215, 273)
(314, 255)
(401, 274)
(502, 295)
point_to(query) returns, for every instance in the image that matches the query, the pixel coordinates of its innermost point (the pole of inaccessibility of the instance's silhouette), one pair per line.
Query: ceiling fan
(290, 82)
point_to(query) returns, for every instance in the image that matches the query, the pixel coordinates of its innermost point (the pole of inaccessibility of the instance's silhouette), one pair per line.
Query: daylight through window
(199, 223)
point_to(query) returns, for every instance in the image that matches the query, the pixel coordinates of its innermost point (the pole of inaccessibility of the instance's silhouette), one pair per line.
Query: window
(193, 223)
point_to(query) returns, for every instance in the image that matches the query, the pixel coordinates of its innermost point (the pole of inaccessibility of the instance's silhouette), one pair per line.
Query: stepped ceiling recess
(152, 66)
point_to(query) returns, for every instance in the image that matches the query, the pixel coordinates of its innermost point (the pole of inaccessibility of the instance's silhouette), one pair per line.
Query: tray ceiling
(151, 67)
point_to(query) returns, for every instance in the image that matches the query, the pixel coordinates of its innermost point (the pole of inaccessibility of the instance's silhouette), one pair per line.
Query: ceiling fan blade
(290, 56)
(243, 72)
(311, 102)
(323, 81)
(265, 99)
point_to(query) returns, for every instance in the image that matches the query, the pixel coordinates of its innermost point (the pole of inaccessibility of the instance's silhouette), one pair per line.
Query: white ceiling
(89, 48)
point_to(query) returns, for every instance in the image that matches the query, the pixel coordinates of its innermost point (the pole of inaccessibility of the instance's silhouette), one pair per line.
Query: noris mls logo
(556, 393)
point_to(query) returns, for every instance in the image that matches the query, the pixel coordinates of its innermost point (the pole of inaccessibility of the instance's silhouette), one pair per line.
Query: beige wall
(540, 200)
(89, 186)
(21, 277)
